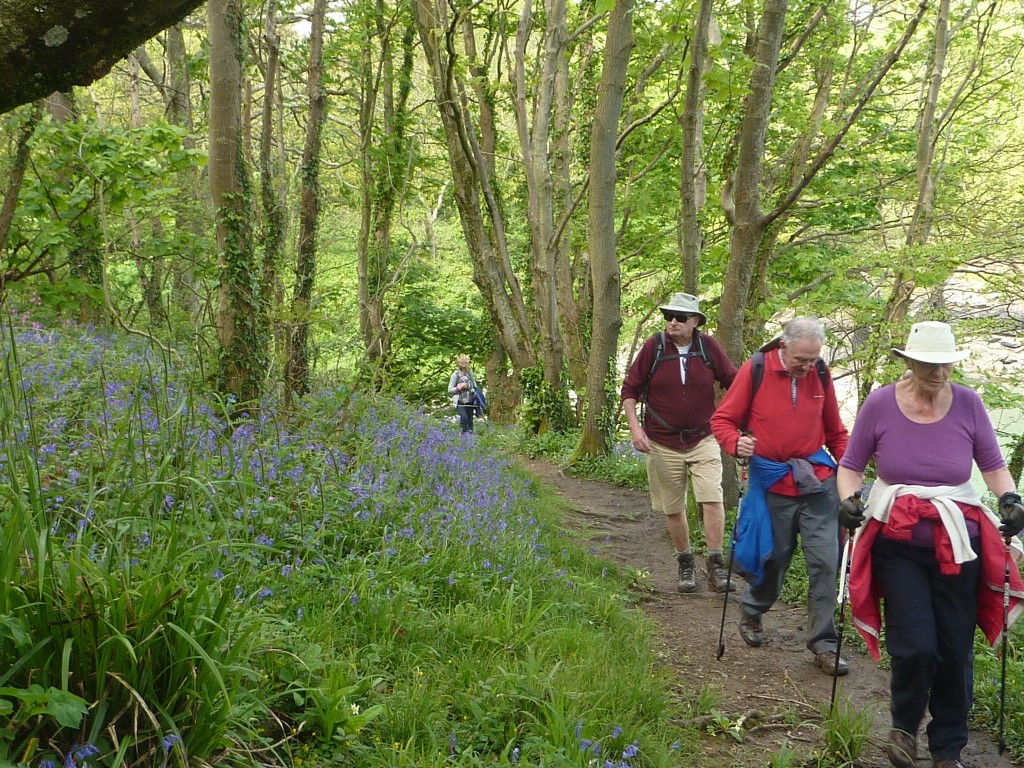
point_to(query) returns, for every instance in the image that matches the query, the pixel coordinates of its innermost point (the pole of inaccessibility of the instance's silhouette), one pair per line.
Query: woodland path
(776, 689)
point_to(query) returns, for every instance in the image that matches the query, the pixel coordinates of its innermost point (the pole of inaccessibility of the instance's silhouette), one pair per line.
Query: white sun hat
(931, 342)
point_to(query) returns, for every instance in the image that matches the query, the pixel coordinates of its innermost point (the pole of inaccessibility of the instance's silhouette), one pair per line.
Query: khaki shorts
(667, 472)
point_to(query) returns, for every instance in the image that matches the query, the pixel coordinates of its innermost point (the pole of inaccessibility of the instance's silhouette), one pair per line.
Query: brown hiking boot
(718, 577)
(687, 573)
(901, 748)
(752, 631)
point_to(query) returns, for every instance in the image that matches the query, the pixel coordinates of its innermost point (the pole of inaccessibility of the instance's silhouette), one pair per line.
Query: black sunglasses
(682, 317)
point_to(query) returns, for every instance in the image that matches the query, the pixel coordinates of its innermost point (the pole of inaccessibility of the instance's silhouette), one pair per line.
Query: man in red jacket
(782, 428)
(674, 376)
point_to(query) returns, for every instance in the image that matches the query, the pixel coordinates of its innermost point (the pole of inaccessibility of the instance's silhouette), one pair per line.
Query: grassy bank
(353, 585)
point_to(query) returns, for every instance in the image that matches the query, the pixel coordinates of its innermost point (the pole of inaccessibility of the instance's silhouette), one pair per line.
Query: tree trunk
(534, 144)
(297, 367)
(492, 269)
(898, 305)
(14, 182)
(239, 303)
(383, 116)
(185, 288)
(692, 176)
(604, 264)
(749, 222)
(49, 46)
(273, 180)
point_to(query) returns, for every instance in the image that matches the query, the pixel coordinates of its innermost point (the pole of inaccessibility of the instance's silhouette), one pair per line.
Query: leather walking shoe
(752, 631)
(901, 749)
(718, 576)
(687, 573)
(829, 663)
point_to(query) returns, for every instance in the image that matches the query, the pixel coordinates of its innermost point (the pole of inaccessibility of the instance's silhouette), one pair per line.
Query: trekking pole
(842, 613)
(1006, 621)
(732, 555)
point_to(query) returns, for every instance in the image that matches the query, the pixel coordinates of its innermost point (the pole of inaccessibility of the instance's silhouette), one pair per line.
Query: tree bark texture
(749, 222)
(297, 368)
(52, 46)
(604, 262)
(239, 303)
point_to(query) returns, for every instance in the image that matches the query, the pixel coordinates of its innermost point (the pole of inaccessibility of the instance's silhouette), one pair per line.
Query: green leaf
(66, 708)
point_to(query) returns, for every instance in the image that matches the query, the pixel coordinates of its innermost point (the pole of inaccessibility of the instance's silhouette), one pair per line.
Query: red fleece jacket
(865, 593)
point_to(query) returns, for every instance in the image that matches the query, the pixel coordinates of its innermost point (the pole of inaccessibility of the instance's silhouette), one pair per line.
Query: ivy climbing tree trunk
(604, 263)
(384, 169)
(240, 318)
(297, 367)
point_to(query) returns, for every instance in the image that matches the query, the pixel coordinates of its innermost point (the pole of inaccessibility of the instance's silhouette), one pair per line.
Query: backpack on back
(659, 355)
(757, 374)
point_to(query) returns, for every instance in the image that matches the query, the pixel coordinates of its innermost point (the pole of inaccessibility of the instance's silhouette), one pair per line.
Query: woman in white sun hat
(930, 550)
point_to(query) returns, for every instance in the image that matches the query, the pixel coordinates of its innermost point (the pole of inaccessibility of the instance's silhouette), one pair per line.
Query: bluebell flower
(170, 741)
(80, 752)
(631, 751)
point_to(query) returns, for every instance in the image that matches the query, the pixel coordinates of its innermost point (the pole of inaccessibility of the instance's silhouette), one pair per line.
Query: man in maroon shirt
(789, 421)
(677, 389)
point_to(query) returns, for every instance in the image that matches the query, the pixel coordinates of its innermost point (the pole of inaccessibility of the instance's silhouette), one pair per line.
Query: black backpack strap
(698, 342)
(756, 375)
(659, 351)
(823, 374)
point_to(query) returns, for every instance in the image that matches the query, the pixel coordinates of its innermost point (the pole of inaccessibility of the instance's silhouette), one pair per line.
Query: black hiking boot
(687, 573)
(718, 577)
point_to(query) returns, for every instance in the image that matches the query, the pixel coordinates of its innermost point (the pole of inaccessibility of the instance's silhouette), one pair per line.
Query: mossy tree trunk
(241, 325)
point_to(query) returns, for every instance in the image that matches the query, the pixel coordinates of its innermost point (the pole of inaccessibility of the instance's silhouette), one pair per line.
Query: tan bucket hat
(685, 302)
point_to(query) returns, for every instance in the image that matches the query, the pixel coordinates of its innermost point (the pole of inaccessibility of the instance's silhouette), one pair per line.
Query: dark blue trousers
(466, 413)
(929, 634)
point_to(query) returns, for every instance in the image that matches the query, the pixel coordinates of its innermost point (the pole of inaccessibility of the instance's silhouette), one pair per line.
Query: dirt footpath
(772, 695)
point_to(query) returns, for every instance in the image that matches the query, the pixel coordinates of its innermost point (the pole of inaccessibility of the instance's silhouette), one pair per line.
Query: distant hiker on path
(463, 389)
(931, 551)
(782, 424)
(673, 378)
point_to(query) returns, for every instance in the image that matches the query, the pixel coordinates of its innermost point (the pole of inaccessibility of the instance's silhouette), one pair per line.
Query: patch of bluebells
(271, 505)
(596, 747)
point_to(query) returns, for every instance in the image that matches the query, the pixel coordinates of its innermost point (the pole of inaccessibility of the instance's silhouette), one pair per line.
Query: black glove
(1012, 513)
(851, 512)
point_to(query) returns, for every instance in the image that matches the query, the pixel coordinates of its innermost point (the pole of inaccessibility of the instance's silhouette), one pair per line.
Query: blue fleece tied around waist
(753, 542)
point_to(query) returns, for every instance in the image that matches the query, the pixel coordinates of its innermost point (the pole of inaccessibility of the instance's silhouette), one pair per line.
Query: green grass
(348, 584)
